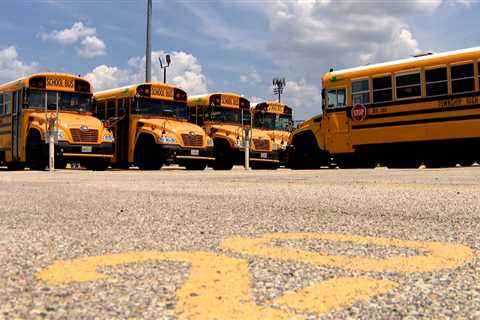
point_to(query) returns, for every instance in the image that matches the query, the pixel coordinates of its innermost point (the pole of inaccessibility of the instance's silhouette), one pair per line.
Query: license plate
(263, 155)
(194, 152)
(86, 149)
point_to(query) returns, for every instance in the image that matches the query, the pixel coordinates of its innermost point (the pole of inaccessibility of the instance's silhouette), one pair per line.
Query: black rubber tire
(305, 153)
(36, 158)
(196, 165)
(223, 156)
(436, 164)
(15, 166)
(147, 155)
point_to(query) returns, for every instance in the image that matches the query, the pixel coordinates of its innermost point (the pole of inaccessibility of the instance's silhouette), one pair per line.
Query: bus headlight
(167, 140)
(107, 137)
(61, 135)
(210, 142)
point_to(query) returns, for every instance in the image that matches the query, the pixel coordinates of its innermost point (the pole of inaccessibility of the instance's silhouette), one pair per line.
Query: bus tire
(147, 155)
(195, 165)
(223, 155)
(36, 157)
(403, 164)
(440, 163)
(305, 153)
(15, 166)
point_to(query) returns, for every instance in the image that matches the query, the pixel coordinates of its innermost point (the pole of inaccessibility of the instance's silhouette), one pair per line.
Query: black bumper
(259, 156)
(178, 155)
(66, 150)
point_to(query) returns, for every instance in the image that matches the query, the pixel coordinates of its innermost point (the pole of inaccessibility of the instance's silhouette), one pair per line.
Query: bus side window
(121, 107)
(110, 109)
(1, 104)
(8, 103)
(382, 89)
(336, 98)
(101, 110)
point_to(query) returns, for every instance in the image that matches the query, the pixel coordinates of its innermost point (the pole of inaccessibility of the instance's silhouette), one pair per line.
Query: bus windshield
(272, 121)
(229, 115)
(161, 108)
(67, 101)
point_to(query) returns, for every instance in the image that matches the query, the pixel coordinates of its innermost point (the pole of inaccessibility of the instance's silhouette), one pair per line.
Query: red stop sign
(359, 112)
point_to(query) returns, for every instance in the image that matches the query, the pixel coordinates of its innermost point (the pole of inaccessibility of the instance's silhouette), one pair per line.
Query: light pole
(165, 66)
(278, 85)
(148, 55)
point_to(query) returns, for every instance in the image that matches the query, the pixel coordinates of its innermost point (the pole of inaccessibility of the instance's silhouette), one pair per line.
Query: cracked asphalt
(174, 244)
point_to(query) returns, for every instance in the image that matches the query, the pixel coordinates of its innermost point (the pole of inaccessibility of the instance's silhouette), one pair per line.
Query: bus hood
(171, 126)
(70, 120)
(278, 136)
(235, 130)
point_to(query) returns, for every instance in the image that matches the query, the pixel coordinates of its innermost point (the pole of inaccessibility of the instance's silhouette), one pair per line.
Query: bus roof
(130, 90)
(272, 106)
(404, 64)
(23, 81)
(204, 100)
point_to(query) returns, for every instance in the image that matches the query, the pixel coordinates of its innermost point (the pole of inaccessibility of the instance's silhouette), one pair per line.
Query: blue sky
(228, 45)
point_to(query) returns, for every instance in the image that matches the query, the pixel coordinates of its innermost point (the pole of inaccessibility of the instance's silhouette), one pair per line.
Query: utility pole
(278, 85)
(148, 55)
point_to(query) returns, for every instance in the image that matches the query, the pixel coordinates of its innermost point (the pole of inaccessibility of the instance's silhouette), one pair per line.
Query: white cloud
(185, 72)
(90, 45)
(252, 77)
(70, 35)
(303, 98)
(465, 3)
(11, 67)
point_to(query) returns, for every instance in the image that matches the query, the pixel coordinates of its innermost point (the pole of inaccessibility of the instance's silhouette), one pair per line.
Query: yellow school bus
(276, 120)
(424, 109)
(29, 105)
(151, 128)
(224, 117)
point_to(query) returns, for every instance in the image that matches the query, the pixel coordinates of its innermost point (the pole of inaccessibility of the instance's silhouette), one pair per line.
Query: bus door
(16, 115)
(122, 130)
(338, 123)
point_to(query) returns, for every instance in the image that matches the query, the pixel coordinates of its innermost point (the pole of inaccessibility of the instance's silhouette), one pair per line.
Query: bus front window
(227, 115)
(67, 101)
(271, 121)
(160, 108)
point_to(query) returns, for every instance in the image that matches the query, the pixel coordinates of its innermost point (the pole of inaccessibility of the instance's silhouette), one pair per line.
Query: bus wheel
(36, 157)
(97, 165)
(147, 156)
(195, 165)
(60, 163)
(466, 163)
(305, 153)
(223, 156)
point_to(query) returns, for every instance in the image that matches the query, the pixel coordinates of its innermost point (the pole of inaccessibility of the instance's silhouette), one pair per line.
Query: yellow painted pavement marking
(218, 287)
(333, 294)
(440, 256)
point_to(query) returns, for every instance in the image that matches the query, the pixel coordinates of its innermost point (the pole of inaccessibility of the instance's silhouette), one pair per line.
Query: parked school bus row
(27, 108)
(151, 128)
(399, 114)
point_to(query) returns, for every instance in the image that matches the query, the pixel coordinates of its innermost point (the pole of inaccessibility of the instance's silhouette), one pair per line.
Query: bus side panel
(5, 136)
(338, 129)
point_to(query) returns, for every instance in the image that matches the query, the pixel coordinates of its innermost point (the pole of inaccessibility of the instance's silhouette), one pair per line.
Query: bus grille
(261, 144)
(90, 135)
(192, 140)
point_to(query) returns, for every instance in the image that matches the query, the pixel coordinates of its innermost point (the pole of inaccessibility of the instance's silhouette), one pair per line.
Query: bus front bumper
(73, 151)
(177, 154)
(260, 156)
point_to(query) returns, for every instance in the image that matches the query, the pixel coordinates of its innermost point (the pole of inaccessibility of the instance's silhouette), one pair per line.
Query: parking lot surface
(173, 244)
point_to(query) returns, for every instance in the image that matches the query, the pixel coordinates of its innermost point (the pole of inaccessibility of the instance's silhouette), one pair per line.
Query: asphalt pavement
(174, 244)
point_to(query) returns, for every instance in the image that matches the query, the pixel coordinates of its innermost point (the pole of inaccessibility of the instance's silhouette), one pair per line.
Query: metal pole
(165, 75)
(246, 142)
(148, 55)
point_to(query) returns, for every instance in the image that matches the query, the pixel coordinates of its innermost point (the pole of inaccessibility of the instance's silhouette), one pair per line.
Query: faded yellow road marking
(218, 287)
(334, 294)
(440, 256)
